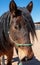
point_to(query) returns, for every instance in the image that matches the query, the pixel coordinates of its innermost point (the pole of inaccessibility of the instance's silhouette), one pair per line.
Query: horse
(16, 25)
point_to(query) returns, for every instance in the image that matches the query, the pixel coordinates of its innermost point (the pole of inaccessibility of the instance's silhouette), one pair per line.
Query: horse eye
(18, 27)
(13, 16)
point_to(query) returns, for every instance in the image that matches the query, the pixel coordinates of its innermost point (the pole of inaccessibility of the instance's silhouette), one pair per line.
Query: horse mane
(29, 22)
(4, 20)
(31, 27)
(4, 25)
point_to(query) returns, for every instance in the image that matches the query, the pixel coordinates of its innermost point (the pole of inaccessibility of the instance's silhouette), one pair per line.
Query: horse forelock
(29, 21)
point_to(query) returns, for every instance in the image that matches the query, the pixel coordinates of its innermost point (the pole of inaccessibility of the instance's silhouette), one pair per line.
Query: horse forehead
(25, 13)
(24, 10)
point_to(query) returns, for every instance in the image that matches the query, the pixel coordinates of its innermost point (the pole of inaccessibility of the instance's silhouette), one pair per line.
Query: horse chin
(28, 58)
(24, 56)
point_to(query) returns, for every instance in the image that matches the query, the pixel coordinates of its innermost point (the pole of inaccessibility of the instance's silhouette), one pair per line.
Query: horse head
(21, 25)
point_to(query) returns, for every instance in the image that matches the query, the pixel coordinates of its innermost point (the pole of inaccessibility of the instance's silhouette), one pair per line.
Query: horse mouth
(25, 53)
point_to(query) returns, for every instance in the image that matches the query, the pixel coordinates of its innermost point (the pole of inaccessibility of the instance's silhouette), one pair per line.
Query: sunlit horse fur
(15, 27)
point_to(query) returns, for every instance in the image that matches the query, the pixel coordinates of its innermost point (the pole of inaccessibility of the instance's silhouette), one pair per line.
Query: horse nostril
(16, 27)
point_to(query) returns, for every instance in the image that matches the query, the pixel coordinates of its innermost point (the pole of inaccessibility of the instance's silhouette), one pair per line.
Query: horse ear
(12, 6)
(30, 6)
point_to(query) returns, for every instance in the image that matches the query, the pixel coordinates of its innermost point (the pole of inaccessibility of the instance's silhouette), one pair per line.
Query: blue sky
(4, 6)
